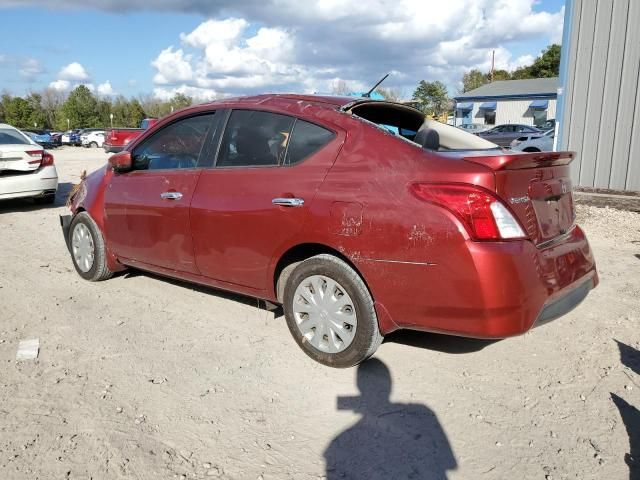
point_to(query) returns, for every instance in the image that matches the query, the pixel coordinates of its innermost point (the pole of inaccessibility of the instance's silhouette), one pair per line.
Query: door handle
(288, 202)
(171, 195)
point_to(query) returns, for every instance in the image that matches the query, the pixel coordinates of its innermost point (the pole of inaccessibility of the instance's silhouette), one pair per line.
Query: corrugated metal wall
(600, 117)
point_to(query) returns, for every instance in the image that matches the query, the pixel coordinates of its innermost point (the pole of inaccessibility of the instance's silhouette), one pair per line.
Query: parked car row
(525, 138)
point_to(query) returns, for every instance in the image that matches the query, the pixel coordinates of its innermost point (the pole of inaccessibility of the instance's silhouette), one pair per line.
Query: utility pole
(493, 63)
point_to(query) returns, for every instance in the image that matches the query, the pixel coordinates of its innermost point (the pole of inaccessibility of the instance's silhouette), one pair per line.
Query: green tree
(81, 108)
(544, 66)
(473, 79)
(4, 101)
(180, 100)
(432, 97)
(37, 115)
(18, 113)
(136, 113)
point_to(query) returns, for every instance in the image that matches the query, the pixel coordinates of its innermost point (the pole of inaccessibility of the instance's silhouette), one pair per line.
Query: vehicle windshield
(405, 122)
(12, 137)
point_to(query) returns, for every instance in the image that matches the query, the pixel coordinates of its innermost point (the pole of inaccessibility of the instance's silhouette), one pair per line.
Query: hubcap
(83, 249)
(325, 313)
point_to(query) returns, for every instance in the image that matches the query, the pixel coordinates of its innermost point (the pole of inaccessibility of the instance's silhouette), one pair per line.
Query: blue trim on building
(539, 105)
(564, 71)
(488, 106)
(464, 106)
(507, 97)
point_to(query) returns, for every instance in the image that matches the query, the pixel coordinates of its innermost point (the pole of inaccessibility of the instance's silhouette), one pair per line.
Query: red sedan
(360, 217)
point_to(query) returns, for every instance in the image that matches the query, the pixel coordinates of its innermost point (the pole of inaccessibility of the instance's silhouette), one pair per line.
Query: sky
(215, 48)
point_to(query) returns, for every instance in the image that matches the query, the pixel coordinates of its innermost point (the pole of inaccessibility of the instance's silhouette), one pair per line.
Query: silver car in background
(474, 127)
(26, 169)
(539, 142)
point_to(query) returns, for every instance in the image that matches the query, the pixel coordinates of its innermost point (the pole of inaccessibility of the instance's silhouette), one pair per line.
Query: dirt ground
(143, 378)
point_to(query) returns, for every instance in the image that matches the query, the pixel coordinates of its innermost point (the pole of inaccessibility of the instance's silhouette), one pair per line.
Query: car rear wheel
(531, 149)
(330, 312)
(87, 249)
(93, 145)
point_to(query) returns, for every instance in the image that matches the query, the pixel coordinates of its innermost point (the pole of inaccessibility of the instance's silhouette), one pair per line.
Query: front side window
(306, 139)
(490, 117)
(254, 138)
(175, 146)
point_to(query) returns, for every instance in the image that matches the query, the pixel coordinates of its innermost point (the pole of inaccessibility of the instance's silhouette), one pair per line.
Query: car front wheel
(87, 249)
(330, 312)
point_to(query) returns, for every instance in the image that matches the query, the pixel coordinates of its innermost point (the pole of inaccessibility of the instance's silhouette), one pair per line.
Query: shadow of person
(630, 357)
(391, 440)
(631, 419)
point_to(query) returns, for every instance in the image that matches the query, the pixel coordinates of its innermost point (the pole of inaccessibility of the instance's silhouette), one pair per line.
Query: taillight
(483, 215)
(37, 156)
(47, 160)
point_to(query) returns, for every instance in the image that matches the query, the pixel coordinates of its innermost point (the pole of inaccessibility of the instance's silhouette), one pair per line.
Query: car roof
(335, 100)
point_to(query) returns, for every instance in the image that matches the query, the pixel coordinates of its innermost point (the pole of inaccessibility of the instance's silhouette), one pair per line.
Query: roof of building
(531, 87)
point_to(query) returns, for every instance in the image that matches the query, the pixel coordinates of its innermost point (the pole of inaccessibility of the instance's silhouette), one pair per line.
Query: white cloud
(66, 85)
(200, 94)
(105, 89)
(173, 67)
(74, 72)
(307, 49)
(60, 85)
(31, 68)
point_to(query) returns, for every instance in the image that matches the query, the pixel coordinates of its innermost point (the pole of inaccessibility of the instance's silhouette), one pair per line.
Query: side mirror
(120, 162)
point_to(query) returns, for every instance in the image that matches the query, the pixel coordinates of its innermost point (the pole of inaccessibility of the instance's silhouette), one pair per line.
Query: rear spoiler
(518, 161)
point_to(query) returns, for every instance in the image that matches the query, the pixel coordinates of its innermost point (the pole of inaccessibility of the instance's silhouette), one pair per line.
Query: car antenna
(368, 94)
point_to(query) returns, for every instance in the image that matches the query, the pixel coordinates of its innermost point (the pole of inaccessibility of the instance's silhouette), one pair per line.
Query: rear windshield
(406, 122)
(12, 137)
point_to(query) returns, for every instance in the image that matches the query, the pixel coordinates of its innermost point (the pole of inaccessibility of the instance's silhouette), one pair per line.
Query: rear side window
(254, 138)
(306, 139)
(12, 137)
(175, 146)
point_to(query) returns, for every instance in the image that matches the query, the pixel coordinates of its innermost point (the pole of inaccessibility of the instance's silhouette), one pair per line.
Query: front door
(147, 208)
(257, 197)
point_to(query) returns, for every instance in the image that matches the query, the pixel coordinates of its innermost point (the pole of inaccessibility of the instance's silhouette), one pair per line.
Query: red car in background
(117, 139)
(314, 203)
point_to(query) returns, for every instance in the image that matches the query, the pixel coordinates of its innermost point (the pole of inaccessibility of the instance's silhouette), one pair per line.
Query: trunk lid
(20, 158)
(537, 188)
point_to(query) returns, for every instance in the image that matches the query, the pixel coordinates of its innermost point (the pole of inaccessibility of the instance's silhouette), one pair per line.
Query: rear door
(147, 209)
(257, 196)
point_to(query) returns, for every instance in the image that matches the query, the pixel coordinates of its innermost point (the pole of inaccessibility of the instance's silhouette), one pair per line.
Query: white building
(527, 102)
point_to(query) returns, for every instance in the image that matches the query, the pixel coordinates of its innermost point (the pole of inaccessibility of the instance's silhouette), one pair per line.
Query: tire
(98, 269)
(45, 200)
(531, 149)
(356, 347)
(93, 145)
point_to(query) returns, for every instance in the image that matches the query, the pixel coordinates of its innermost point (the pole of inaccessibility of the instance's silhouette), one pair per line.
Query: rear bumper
(488, 289)
(112, 148)
(36, 184)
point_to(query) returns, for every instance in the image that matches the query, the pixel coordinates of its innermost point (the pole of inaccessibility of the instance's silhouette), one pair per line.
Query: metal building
(599, 99)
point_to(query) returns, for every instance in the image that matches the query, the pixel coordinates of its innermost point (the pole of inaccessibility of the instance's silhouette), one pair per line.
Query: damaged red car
(358, 216)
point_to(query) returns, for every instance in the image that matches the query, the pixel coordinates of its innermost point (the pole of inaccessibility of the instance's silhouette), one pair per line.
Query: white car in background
(93, 139)
(534, 142)
(26, 169)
